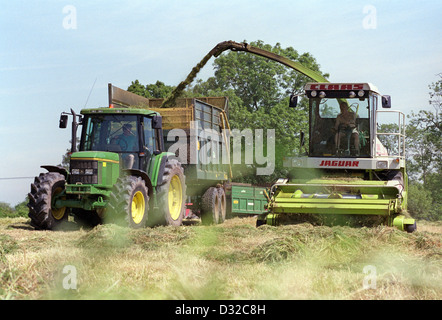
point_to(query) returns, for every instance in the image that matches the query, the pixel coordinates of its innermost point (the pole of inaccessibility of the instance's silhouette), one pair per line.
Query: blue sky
(46, 68)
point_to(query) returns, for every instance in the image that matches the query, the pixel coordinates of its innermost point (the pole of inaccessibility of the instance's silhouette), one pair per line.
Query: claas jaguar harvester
(346, 175)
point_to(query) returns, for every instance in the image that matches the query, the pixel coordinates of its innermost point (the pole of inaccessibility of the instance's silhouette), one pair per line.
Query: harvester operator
(346, 125)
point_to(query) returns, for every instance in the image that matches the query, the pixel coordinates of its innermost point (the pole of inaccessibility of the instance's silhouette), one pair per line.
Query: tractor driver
(127, 142)
(346, 125)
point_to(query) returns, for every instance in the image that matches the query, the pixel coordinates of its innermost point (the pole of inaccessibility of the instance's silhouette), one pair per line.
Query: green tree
(424, 157)
(157, 90)
(20, 210)
(6, 210)
(421, 202)
(425, 137)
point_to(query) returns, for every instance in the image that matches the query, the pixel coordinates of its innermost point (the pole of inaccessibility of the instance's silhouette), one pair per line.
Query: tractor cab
(133, 134)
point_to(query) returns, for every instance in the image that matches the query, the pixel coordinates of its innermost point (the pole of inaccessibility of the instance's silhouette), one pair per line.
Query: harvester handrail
(400, 135)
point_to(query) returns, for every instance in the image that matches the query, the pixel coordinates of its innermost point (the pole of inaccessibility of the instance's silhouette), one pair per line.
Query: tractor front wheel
(129, 202)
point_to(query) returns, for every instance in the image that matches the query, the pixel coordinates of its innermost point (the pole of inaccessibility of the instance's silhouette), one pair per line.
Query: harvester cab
(350, 172)
(343, 122)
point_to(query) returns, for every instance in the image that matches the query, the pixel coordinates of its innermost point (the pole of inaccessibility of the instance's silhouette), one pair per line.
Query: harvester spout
(245, 47)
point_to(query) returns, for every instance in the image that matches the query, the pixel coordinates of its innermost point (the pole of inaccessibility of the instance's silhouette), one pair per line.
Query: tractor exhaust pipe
(74, 132)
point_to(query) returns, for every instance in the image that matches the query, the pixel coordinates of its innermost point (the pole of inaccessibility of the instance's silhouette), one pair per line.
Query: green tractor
(121, 173)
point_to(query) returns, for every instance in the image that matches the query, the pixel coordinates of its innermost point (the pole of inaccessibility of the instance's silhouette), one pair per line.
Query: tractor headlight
(314, 94)
(89, 171)
(361, 93)
(75, 171)
(382, 165)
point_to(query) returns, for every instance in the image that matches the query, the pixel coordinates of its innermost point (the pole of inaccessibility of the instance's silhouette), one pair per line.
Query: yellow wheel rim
(175, 197)
(58, 214)
(138, 207)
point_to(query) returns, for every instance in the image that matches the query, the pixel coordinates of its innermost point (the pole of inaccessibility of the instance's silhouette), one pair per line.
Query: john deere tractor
(120, 173)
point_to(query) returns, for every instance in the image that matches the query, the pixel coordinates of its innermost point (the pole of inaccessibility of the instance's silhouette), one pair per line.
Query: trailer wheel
(129, 202)
(210, 207)
(44, 192)
(223, 205)
(172, 195)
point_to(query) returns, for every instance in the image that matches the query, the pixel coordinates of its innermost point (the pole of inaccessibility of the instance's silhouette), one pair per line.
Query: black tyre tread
(223, 205)
(210, 206)
(40, 197)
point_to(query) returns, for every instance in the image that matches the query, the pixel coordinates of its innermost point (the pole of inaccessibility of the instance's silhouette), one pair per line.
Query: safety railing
(396, 144)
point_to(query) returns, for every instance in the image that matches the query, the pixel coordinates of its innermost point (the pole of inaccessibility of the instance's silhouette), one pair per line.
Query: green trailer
(245, 199)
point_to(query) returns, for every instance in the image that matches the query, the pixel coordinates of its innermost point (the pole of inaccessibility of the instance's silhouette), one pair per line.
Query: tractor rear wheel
(44, 192)
(171, 195)
(129, 202)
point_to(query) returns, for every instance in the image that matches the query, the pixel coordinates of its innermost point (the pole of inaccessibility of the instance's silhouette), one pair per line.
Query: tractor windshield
(115, 133)
(339, 127)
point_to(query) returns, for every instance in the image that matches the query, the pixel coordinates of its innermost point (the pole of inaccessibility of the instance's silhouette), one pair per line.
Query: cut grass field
(234, 260)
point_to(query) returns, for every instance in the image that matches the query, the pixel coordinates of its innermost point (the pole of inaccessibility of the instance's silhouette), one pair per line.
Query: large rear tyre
(128, 204)
(210, 207)
(44, 192)
(171, 195)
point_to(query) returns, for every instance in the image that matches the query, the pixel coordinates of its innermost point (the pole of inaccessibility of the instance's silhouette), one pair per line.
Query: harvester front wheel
(44, 192)
(172, 195)
(129, 202)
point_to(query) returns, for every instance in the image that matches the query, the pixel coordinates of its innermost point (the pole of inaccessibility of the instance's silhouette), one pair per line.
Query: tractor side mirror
(293, 101)
(63, 121)
(386, 102)
(157, 122)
